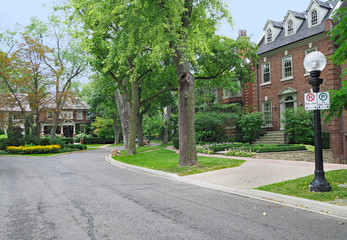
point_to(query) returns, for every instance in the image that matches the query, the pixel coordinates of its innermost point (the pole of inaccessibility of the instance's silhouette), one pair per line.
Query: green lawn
(300, 187)
(167, 161)
(145, 149)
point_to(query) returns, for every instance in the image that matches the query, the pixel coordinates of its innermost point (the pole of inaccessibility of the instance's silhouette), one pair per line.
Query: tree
(26, 78)
(136, 37)
(338, 34)
(98, 93)
(120, 50)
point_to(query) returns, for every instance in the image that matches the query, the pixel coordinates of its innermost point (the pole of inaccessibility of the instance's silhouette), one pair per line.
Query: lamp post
(314, 63)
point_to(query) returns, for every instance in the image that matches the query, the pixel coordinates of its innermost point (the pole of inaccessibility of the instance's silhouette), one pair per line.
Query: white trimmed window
(266, 72)
(267, 111)
(287, 67)
(79, 115)
(309, 51)
(49, 115)
(290, 29)
(269, 35)
(314, 17)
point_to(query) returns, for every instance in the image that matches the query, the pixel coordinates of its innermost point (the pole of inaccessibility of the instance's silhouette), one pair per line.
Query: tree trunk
(165, 139)
(55, 125)
(123, 109)
(116, 129)
(186, 110)
(134, 111)
(140, 131)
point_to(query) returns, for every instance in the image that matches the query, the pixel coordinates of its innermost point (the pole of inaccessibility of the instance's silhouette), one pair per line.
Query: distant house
(73, 117)
(281, 80)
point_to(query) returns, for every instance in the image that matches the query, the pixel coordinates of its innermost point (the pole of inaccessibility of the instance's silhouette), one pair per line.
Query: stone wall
(306, 156)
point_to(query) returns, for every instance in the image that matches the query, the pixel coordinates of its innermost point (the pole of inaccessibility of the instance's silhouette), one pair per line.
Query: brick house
(281, 80)
(73, 117)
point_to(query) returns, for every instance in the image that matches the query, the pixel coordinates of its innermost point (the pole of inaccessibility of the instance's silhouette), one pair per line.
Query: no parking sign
(315, 101)
(311, 101)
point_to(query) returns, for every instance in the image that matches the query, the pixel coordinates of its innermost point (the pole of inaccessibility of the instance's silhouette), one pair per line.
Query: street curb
(289, 201)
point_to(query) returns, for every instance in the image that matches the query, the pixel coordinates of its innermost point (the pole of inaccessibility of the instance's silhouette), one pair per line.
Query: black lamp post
(314, 63)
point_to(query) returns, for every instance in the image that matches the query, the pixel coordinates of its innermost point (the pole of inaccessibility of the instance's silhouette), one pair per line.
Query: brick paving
(259, 172)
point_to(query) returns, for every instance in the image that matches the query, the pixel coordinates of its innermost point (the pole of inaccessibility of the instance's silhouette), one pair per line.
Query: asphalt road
(81, 196)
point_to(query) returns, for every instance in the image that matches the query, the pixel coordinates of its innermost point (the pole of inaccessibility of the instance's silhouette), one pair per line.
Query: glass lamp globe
(315, 61)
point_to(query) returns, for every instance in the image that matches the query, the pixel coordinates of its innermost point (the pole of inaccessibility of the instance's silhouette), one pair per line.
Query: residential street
(81, 196)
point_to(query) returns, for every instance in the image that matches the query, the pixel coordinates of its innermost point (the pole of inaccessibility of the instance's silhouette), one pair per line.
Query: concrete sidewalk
(255, 173)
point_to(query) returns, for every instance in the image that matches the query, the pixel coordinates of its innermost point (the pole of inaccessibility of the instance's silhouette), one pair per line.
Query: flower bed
(33, 149)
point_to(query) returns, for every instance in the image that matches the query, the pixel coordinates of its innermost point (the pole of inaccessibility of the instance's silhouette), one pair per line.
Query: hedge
(96, 140)
(33, 149)
(258, 148)
(68, 140)
(76, 146)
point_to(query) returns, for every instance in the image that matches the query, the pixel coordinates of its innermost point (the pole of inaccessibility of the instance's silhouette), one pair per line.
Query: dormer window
(314, 17)
(269, 35)
(290, 29)
(78, 103)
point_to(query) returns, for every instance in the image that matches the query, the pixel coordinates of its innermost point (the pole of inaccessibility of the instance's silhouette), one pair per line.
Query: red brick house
(73, 117)
(281, 80)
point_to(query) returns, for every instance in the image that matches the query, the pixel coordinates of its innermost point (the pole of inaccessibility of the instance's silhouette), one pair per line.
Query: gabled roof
(321, 4)
(296, 14)
(12, 104)
(273, 23)
(303, 32)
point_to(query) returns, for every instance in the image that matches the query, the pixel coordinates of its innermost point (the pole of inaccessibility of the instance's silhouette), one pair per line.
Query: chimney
(242, 33)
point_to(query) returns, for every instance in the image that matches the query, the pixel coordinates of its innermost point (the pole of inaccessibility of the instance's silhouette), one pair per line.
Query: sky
(250, 15)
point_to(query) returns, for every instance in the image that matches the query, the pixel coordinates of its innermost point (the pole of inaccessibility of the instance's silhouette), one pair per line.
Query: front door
(286, 102)
(68, 131)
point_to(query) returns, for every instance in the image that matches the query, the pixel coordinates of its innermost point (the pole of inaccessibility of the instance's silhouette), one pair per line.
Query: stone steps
(273, 137)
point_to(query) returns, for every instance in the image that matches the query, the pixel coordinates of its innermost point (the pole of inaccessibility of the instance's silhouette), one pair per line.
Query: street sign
(323, 100)
(311, 101)
(318, 100)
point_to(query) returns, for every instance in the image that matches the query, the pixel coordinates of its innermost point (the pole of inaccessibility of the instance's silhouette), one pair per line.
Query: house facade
(282, 81)
(73, 118)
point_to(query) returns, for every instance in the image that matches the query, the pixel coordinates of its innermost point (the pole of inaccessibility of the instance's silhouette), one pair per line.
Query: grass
(145, 149)
(167, 161)
(300, 187)
(3, 136)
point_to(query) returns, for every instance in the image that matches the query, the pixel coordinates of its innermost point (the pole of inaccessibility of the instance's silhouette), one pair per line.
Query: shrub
(68, 140)
(96, 140)
(45, 141)
(76, 146)
(299, 126)
(33, 149)
(247, 126)
(4, 143)
(58, 141)
(239, 153)
(32, 139)
(257, 148)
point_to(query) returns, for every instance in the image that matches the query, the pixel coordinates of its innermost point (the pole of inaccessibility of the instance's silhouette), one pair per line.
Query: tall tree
(120, 49)
(338, 35)
(26, 78)
(98, 93)
(139, 35)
